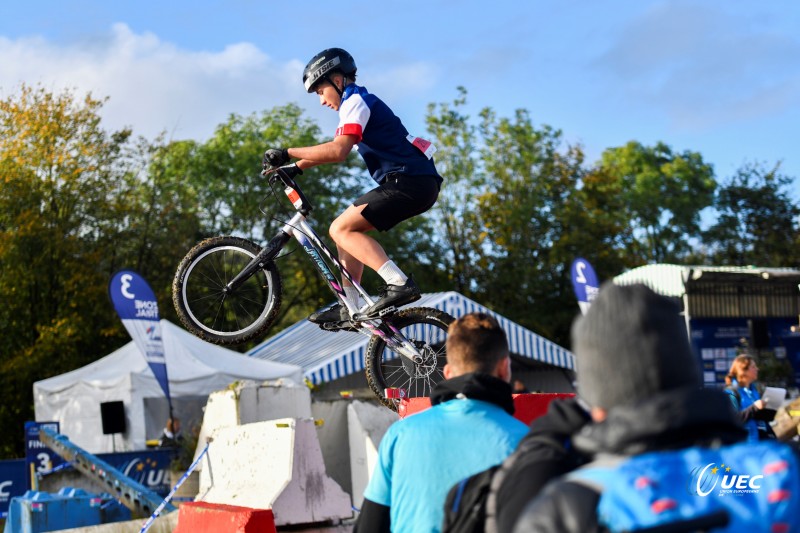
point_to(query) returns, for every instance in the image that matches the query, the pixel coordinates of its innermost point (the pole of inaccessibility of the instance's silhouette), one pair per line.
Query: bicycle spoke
(426, 336)
(205, 305)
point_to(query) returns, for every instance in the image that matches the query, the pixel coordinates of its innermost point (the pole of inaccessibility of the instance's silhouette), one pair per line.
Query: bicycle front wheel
(208, 309)
(424, 327)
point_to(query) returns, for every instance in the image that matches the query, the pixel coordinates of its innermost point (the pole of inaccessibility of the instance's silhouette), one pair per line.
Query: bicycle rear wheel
(424, 327)
(215, 314)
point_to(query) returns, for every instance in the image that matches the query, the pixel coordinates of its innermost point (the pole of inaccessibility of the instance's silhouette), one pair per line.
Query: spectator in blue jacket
(741, 388)
(469, 427)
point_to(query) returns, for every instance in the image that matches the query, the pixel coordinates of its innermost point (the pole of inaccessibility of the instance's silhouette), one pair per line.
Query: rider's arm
(331, 152)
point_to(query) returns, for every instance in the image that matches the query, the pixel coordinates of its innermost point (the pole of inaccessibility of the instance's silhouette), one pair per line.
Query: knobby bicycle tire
(427, 329)
(220, 317)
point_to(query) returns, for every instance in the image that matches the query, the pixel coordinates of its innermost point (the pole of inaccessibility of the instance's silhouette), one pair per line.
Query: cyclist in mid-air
(401, 164)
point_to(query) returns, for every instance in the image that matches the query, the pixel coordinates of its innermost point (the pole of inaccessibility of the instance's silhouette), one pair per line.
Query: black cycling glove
(276, 157)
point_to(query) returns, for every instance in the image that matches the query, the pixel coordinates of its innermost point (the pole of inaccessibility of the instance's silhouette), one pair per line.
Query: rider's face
(328, 95)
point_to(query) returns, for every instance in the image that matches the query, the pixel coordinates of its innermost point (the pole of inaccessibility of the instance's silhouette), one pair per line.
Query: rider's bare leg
(355, 247)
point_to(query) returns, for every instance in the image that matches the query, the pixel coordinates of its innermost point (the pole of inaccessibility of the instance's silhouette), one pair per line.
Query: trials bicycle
(227, 290)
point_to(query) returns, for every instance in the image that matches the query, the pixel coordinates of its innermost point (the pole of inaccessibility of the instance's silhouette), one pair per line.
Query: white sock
(392, 274)
(351, 296)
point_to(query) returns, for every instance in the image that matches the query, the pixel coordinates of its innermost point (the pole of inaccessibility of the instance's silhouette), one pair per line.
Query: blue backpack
(750, 487)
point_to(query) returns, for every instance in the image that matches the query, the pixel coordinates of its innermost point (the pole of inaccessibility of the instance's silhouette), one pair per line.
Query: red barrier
(202, 517)
(527, 407)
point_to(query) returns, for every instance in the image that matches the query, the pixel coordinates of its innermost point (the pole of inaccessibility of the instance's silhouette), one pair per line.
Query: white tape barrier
(163, 504)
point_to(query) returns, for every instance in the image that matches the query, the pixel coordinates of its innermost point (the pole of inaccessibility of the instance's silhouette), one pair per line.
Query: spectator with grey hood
(642, 386)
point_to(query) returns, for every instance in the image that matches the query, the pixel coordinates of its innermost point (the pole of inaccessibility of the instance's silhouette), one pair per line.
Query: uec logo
(704, 480)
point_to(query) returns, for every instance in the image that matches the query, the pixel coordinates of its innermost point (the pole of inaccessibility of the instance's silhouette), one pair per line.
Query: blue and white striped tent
(326, 356)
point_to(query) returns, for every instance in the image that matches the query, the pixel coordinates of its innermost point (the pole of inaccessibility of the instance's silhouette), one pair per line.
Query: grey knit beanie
(631, 344)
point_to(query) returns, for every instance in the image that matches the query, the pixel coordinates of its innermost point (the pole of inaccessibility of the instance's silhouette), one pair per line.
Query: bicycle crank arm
(267, 254)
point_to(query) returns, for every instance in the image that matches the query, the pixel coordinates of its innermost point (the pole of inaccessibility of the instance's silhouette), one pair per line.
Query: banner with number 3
(137, 307)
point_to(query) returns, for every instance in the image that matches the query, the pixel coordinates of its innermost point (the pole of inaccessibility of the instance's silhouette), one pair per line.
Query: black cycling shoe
(335, 313)
(393, 296)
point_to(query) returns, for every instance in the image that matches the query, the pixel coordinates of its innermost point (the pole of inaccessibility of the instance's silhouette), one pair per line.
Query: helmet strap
(330, 80)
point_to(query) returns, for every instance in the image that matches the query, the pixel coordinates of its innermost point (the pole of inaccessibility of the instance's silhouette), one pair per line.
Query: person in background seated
(469, 427)
(171, 436)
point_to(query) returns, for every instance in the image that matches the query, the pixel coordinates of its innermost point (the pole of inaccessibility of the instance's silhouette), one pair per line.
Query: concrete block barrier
(275, 465)
(251, 401)
(366, 424)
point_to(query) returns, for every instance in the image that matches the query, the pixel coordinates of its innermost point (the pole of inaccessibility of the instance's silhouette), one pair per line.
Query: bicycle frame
(299, 228)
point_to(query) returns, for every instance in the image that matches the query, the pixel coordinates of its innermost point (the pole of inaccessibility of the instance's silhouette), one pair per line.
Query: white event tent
(196, 368)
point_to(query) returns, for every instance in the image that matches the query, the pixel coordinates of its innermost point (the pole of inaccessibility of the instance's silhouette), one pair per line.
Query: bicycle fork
(267, 254)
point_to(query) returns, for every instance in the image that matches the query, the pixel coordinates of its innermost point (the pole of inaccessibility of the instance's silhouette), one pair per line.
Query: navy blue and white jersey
(381, 139)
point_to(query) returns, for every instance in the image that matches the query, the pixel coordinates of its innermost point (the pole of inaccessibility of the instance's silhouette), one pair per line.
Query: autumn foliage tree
(57, 167)
(76, 204)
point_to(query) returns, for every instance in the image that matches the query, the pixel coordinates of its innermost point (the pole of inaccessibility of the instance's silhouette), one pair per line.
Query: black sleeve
(374, 518)
(544, 454)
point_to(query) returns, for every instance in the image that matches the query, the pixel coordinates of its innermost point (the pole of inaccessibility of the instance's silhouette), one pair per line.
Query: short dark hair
(476, 343)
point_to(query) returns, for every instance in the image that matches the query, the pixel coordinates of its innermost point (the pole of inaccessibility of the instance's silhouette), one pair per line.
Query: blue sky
(718, 77)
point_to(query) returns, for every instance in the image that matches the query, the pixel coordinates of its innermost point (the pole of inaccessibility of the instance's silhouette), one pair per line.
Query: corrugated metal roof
(326, 356)
(669, 280)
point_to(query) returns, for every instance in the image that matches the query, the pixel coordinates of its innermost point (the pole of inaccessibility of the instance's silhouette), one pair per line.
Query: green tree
(531, 178)
(664, 193)
(757, 221)
(152, 217)
(56, 166)
(509, 189)
(596, 226)
(457, 160)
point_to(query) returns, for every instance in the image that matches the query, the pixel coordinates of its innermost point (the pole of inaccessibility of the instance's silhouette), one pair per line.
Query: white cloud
(153, 85)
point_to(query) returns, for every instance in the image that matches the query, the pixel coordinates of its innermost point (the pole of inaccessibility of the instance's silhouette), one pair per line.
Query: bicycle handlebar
(290, 187)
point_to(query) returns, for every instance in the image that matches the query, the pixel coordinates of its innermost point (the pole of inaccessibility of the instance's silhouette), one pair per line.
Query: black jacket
(668, 421)
(545, 453)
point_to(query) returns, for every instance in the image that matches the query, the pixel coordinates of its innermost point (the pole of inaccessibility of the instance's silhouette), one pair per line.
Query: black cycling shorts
(399, 198)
